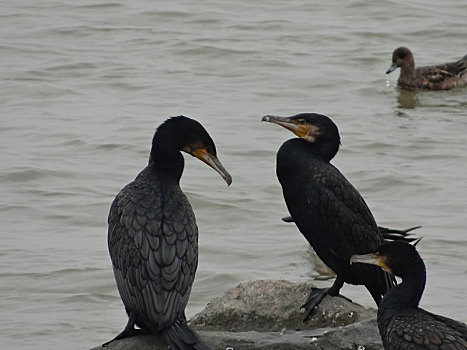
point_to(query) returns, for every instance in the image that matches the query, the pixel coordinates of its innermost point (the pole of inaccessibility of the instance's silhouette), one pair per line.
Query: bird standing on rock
(401, 322)
(326, 208)
(153, 236)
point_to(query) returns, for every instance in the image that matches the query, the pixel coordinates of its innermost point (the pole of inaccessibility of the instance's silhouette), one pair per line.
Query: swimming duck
(441, 77)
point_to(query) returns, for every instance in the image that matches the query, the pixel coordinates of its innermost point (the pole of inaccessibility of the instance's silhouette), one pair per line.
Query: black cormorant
(153, 237)
(402, 324)
(326, 208)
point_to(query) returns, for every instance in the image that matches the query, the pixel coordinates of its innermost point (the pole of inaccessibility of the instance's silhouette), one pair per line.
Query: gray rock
(265, 315)
(274, 306)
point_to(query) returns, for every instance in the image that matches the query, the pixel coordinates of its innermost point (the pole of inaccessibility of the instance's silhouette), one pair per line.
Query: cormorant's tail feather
(390, 234)
(181, 337)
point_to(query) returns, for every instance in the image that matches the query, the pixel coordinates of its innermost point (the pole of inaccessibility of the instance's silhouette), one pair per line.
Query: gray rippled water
(85, 83)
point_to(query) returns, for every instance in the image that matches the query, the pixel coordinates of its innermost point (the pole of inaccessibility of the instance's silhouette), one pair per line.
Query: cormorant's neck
(403, 296)
(324, 150)
(166, 159)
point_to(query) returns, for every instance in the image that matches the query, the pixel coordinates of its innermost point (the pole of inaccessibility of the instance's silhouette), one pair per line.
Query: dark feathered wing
(454, 68)
(435, 75)
(153, 247)
(441, 74)
(344, 208)
(424, 330)
(455, 326)
(335, 219)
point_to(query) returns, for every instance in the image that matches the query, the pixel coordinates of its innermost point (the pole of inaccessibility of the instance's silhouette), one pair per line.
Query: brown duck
(441, 77)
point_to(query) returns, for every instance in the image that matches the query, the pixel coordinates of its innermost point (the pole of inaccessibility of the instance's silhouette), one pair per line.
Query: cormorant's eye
(209, 149)
(401, 55)
(301, 121)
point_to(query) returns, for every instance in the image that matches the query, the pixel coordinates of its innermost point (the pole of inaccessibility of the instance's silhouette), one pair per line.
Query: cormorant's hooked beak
(301, 130)
(371, 259)
(211, 160)
(392, 68)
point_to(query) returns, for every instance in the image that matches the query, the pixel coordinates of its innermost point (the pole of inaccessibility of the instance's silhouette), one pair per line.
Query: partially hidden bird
(402, 323)
(153, 236)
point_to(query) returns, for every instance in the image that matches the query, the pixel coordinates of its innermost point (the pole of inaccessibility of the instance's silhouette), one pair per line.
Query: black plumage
(153, 236)
(389, 234)
(401, 322)
(326, 208)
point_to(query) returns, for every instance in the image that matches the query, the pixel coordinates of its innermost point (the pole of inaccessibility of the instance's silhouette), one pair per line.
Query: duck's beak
(392, 68)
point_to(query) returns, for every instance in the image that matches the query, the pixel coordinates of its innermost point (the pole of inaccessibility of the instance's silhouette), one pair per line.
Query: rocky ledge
(266, 315)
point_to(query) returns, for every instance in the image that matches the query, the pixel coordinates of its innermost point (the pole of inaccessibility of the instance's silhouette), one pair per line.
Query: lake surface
(85, 83)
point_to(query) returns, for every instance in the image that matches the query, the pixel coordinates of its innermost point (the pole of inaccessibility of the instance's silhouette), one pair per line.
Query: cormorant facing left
(153, 237)
(402, 324)
(326, 208)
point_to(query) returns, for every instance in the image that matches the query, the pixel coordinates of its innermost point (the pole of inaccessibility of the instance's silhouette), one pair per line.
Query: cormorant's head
(188, 135)
(401, 57)
(395, 257)
(311, 127)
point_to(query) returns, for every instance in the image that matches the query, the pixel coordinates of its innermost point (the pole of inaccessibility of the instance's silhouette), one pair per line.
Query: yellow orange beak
(371, 259)
(305, 131)
(211, 160)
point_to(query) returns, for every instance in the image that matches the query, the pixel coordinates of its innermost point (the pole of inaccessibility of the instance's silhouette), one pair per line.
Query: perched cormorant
(153, 237)
(326, 208)
(402, 324)
(441, 77)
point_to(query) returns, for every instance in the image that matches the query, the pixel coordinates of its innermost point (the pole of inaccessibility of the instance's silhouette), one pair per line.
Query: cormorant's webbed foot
(126, 334)
(317, 294)
(128, 331)
(315, 297)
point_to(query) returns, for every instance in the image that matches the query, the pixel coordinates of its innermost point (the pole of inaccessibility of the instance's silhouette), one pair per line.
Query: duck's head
(401, 57)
